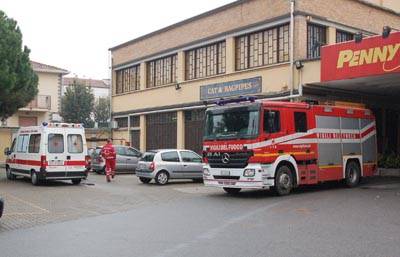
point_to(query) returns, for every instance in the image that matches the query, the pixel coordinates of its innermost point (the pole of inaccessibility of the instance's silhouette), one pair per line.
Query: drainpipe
(110, 65)
(291, 82)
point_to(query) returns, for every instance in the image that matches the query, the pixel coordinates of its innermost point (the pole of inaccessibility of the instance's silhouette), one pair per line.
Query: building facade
(160, 90)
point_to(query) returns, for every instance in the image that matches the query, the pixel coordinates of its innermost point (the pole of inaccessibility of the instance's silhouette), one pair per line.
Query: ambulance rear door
(56, 144)
(76, 149)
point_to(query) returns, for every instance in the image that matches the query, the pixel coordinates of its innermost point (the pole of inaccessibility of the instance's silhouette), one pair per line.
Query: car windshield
(148, 157)
(232, 123)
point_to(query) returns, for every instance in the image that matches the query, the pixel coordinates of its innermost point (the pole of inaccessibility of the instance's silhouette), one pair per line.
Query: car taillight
(87, 161)
(43, 161)
(152, 166)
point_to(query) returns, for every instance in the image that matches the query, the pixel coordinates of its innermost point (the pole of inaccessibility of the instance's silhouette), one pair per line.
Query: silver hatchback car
(162, 165)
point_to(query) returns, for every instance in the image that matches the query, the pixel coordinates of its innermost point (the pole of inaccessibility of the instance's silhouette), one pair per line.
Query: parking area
(56, 201)
(184, 218)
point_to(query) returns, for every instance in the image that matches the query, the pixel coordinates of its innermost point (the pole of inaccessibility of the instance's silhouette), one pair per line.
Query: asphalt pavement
(186, 219)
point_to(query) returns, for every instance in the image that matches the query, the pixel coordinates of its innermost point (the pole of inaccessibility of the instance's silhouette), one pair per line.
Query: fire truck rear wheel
(283, 180)
(9, 174)
(232, 191)
(353, 174)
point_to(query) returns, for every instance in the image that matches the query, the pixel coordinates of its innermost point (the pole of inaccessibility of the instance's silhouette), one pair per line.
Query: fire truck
(260, 144)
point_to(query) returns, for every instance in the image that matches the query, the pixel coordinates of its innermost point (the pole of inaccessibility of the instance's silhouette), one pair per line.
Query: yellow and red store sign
(370, 57)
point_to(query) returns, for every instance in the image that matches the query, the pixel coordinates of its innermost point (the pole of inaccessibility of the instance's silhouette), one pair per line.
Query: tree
(77, 105)
(101, 110)
(18, 81)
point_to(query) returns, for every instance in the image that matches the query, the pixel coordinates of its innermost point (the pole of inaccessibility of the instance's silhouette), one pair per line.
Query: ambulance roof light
(386, 31)
(358, 37)
(222, 102)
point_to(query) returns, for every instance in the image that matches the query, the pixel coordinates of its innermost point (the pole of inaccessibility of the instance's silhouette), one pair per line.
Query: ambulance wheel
(145, 180)
(9, 174)
(283, 181)
(35, 179)
(353, 174)
(232, 191)
(76, 181)
(162, 178)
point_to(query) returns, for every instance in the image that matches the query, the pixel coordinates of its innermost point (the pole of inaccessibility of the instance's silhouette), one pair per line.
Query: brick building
(163, 81)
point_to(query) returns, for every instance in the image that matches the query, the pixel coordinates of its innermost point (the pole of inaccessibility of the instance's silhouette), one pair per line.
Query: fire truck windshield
(236, 123)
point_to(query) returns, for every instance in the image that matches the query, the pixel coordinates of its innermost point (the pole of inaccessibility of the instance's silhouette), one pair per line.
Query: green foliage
(389, 161)
(101, 111)
(77, 105)
(18, 82)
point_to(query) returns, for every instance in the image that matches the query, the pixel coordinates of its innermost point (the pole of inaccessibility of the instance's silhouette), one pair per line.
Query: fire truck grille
(227, 177)
(235, 160)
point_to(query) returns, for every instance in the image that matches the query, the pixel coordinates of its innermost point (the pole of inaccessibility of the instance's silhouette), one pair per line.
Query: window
(316, 37)
(170, 156)
(272, 123)
(132, 152)
(300, 122)
(206, 61)
(190, 157)
(122, 122)
(161, 71)
(34, 143)
(343, 36)
(262, 48)
(22, 144)
(120, 150)
(128, 79)
(135, 121)
(75, 143)
(56, 143)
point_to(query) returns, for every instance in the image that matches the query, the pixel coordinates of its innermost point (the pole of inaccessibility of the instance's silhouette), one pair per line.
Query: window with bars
(128, 79)
(122, 122)
(343, 36)
(205, 61)
(135, 121)
(316, 37)
(262, 48)
(162, 71)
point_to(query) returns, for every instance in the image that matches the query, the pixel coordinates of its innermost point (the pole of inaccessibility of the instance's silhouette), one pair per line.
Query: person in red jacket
(109, 154)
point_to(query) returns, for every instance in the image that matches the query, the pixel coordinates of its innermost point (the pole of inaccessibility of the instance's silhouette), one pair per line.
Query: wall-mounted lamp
(386, 31)
(299, 64)
(358, 37)
(177, 86)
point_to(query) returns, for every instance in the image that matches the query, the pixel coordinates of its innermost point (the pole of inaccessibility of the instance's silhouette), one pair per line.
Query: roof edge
(175, 25)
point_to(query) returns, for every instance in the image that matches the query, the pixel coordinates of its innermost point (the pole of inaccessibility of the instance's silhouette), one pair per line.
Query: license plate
(56, 163)
(225, 173)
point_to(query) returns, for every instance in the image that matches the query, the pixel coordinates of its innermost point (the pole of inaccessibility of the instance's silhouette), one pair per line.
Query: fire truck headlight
(249, 172)
(206, 172)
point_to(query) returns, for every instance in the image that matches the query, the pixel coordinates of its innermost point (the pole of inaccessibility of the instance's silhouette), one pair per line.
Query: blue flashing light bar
(222, 102)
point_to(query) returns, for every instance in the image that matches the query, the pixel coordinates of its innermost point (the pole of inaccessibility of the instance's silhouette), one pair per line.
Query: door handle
(68, 157)
(184, 165)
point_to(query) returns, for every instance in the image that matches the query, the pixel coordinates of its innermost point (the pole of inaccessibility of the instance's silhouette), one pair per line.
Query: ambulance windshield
(235, 123)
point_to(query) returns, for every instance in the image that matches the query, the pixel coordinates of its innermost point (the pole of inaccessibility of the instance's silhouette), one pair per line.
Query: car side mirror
(7, 151)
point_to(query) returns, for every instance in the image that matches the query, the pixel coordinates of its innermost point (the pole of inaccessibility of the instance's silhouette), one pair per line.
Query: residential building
(162, 82)
(100, 88)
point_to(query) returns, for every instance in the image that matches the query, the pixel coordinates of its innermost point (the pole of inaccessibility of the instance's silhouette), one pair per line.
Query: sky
(76, 34)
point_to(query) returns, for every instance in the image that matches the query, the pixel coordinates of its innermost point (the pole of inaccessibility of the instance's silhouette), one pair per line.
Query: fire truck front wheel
(353, 174)
(232, 191)
(283, 180)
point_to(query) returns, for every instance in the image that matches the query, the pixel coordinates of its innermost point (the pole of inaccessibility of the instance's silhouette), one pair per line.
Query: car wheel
(9, 174)
(76, 181)
(162, 178)
(232, 191)
(145, 180)
(35, 179)
(353, 174)
(283, 181)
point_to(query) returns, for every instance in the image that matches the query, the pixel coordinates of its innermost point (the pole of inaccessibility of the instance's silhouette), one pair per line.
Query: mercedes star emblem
(225, 158)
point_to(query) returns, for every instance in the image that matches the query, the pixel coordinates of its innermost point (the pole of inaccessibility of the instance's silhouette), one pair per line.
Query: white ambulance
(52, 151)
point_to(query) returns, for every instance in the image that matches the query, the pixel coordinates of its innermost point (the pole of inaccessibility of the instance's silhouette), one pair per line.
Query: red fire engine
(282, 145)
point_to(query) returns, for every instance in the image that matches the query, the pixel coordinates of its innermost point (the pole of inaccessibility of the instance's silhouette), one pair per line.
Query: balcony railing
(40, 102)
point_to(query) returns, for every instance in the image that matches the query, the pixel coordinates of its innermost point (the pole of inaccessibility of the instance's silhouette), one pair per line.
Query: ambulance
(260, 144)
(52, 151)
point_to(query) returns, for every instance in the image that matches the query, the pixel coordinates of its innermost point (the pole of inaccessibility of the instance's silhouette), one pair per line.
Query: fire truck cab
(52, 151)
(282, 145)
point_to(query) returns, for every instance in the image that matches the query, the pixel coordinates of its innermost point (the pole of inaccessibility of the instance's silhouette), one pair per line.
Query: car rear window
(75, 143)
(56, 143)
(148, 157)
